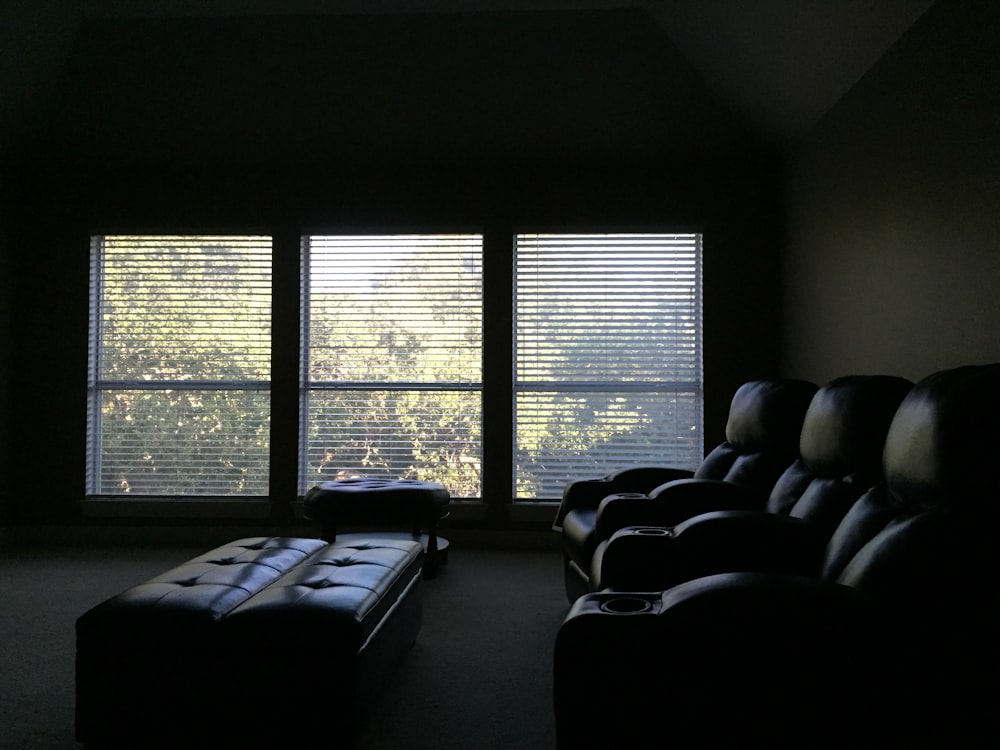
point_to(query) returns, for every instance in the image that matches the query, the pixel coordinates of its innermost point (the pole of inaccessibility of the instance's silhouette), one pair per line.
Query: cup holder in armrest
(626, 605)
(627, 496)
(652, 531)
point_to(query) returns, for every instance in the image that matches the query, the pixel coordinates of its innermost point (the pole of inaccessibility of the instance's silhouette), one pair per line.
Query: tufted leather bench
(265, 639)
(371, 500)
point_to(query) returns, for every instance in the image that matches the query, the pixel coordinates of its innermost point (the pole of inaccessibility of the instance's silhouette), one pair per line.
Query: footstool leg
(432, 547)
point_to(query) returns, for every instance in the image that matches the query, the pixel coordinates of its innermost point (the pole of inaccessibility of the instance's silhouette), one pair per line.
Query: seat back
(922, 547)
(897, 647)
(762, 434)
(940, 496)
(840, 449)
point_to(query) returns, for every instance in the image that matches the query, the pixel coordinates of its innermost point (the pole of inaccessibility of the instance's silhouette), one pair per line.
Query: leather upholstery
(840, 457)
(842, 440)
(890, 642)
(341, 593)
(372, 502)
(762, 435)
(361, 498)
(198, 593)
(236, 644)
(341, 622)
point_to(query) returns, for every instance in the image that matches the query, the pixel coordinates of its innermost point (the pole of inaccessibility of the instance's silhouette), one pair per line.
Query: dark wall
(330, 91)
(7, 428)
(181, 127)
(893, 245)
(734, 210)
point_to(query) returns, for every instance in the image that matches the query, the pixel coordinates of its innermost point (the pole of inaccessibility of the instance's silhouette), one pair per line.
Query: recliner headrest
(846, 424)
(768, 414)
(943, 447)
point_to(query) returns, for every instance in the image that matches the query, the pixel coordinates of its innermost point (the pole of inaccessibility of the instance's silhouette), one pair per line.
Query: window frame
(308, 386)
(97, 385)
(567, 248)
(497, 503)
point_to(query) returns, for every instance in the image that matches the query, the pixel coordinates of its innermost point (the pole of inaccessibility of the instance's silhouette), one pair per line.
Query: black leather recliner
(762, 437)
(840, 458)
(891, 641)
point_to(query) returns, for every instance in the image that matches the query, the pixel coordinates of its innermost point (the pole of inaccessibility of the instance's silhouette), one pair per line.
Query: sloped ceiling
(781, 64)
(451, 81)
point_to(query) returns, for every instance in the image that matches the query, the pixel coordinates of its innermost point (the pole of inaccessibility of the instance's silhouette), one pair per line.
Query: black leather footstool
(365, 500)
(263, 642)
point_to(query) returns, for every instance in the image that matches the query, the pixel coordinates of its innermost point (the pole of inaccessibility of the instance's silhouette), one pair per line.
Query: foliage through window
(180, 363)
(605, 331)
(392, 359)
(608, 368)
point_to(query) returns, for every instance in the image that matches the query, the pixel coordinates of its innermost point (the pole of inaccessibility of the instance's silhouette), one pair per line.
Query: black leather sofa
(885, 636)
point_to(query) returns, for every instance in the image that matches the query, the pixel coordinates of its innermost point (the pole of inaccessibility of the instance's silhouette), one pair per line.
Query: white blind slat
(401, 314)
(608, 366)
(179, 309)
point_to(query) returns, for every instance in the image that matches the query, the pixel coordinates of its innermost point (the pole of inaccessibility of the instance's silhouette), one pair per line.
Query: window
(392, 359)
(180, 348)
(608, 367)
(598, 361)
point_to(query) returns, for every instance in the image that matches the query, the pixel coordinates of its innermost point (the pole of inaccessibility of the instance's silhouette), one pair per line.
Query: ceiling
(770, 68)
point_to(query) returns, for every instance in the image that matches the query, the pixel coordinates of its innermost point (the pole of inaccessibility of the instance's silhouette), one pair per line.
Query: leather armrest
(645, 478)
(638, 558)
(669, 504)
(717, 660)
(588, 493)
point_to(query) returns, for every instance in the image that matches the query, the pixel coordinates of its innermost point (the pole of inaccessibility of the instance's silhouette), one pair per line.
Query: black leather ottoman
(262, 642)
(365, 501)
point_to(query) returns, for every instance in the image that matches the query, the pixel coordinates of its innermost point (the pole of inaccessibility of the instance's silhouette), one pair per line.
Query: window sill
(262, 509)
(177, 508)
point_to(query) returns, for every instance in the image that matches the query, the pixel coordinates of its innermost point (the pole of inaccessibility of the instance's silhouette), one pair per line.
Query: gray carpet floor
(479, 677)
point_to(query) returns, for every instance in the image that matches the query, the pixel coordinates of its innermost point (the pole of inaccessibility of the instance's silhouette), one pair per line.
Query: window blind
(180, 362)
(392, 359)
(608, 356)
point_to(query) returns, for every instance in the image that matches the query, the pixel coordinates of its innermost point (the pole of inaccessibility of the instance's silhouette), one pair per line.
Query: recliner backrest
(840, 449)
(762, 433)
(941, 493)
(897, 647)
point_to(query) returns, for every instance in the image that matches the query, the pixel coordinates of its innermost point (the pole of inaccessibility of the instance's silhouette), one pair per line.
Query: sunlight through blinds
(180, 365)
(392, 359)
(608, 356)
